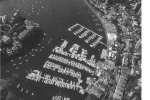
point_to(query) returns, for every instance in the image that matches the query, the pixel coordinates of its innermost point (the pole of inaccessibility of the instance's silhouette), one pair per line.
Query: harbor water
(54, 17)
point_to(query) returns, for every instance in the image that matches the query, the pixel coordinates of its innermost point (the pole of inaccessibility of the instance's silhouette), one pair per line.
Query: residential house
(15, 49)
(94, 90)
(24, 34)
(9, 51)
(17, 43)
(6, 39)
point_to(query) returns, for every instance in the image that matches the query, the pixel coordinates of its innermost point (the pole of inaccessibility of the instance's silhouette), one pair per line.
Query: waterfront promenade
(108, 26)
(98, 16)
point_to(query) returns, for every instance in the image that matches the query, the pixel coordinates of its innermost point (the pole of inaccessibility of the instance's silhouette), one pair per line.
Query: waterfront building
(12, 21)
(24, 34)
(95, 87)
(9, 19)
(112, 55)
(121, 84)
(5, 19)
(103, 81)
(15, 49)
(6, 39)
(9, 51)
(17, 43)
(31, 25)
(111, 37)
(94, 90)
(19, 27)
(91, 97)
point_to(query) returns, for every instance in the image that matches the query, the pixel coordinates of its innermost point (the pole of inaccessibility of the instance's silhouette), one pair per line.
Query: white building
(6, 39)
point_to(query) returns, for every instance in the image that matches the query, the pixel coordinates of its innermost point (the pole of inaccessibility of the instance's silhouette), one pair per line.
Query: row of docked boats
(88, 34)
(73, 53)
(70, 63)
(36, 76)
(60, 69)
(60, 98)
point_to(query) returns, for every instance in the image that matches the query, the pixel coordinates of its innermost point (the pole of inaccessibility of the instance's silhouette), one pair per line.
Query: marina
(73, 53)
(85, 33)
(57, 81)
(60, 69)
(60, 98)
(71, 70)
(71, 63)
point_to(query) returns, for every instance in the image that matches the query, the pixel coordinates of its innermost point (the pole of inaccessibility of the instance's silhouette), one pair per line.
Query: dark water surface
(55, 17)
